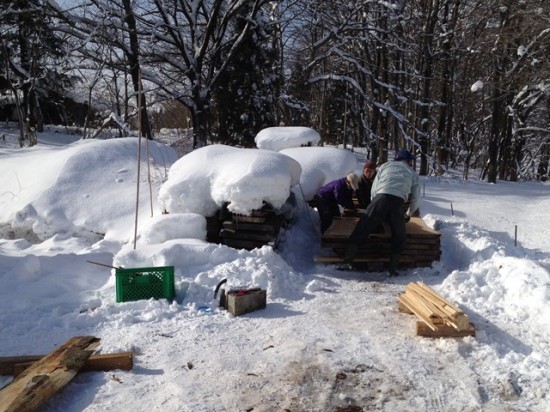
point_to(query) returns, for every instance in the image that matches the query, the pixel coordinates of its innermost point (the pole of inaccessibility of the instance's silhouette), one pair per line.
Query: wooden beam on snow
(443, 331)
(44, 378)
(14, 365)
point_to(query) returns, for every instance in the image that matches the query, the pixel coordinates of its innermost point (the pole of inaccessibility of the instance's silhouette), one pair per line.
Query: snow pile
(72, 185)
(279, 138)
(321, 165)
(202, 181)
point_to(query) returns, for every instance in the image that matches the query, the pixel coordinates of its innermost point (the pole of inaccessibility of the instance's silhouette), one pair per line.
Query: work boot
(394, 264)
(351, 252)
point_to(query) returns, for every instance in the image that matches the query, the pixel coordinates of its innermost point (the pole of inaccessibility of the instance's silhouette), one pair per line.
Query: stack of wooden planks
(422, 248)
(438, 317)
(249, 232)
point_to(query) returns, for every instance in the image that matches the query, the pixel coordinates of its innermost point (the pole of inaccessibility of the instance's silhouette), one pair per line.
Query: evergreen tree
(32, 52)
(245, 94)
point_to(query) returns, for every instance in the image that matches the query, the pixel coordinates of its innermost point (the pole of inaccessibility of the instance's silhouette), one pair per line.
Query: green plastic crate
(145, 283)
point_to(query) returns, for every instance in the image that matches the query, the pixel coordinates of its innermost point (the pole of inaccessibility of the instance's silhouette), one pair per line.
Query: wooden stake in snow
(138, 160)
(149, 177)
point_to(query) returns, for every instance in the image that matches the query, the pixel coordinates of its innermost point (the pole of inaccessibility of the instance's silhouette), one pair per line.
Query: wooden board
(374, 244)
(443, 331)
(410, 305)
(245, 235)
(243, 244)
(14, 365)
(361, 259)
(249, 219)
(341, 228)
(251, 227)
(47, 376)
(330, 256)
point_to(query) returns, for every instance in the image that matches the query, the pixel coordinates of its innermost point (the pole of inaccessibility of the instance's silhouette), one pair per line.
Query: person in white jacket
(395, 183)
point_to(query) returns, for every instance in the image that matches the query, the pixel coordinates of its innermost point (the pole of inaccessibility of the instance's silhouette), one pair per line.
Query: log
(14, 365)
(47, 376)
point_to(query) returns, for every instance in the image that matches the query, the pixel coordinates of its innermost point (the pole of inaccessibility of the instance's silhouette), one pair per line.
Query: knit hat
(404, 155)
(353, 180)
(369, 164)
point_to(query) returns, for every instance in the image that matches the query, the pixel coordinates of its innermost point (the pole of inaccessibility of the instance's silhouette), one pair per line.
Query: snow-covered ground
(326, 341)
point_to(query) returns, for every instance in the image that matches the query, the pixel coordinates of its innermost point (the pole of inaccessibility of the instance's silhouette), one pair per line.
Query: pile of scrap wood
(38, 378)
(422, 246)
(438, 317)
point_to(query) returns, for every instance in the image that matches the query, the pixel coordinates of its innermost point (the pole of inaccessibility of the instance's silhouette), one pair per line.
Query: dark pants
(382, 208)
(327, 211)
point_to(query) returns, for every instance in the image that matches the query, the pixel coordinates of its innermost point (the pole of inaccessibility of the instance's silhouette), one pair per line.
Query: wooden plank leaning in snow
(438, 317)
(47, 376)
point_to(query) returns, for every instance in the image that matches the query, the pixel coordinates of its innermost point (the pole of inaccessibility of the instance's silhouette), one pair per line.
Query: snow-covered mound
(202, 181)
(321, 165)
(82, 188)
(279, 138)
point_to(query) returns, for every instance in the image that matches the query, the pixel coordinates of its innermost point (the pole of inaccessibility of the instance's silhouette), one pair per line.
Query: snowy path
(271, 360)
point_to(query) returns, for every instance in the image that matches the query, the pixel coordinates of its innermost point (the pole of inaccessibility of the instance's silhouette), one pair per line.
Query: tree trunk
(135, 70)
(542, 169)
(427, 72)
(199, 117)
(445, 114)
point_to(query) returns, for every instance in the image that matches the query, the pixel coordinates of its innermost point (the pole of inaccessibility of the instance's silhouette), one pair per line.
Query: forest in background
(460, 82)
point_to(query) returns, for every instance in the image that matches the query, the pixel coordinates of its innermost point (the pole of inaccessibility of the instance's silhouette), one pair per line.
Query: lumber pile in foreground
(438, 317)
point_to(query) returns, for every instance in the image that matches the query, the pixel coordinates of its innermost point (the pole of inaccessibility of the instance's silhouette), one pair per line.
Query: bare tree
(192, 43)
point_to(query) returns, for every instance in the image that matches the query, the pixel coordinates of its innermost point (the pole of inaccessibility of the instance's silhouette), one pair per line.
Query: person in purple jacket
(334, 194)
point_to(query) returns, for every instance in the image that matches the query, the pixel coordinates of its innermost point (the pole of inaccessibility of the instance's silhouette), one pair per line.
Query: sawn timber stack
(437, 316)
(422, 248)
(252, 231)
